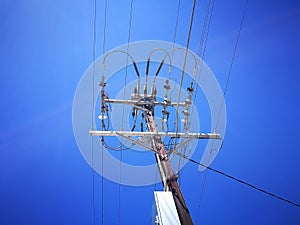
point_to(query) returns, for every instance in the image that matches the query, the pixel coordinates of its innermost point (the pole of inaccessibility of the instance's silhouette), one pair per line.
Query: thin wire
(203, 41)
(174, 39)
(201, 53)
(102, 149)
(201, 196)
(232, 60)
(128, 40)
(176, 24)
(224, 93)
(104, 28)
(183, 68)
(124, 95)
(243, 182)
(120, 180)
(93, 105)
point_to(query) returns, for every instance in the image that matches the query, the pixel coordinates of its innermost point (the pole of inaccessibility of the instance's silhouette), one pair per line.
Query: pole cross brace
(162, 134)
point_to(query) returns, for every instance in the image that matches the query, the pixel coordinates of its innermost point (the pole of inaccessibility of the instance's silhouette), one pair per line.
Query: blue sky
(47, 45)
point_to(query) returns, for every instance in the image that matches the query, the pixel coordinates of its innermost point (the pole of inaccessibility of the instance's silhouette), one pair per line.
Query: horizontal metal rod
(138, 142)
(140, 103)
(162, 134)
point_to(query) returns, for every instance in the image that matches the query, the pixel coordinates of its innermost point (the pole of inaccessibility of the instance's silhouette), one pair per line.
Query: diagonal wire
(224, 93)
(201, 53)
(203, 39)
(232, 61)
(244, 182)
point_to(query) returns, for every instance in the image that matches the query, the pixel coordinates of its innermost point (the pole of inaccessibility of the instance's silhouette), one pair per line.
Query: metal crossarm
(161, 134)
(143, 102)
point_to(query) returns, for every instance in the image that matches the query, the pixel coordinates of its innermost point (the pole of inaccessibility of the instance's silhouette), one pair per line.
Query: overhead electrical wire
(174, 40)
(183, 68)
(232, 61)
(234, 50)
(126, 69)
(201, 54)
(104, 27)
(176, 23)
(225, 89)
(243, 182)
(124, 94)
(102, 149)
(203, 40)
(93, 105)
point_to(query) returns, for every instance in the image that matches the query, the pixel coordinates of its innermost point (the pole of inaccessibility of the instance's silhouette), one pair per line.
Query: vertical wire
(175, 30)
(232, 60)
(93, 107)
(175, 34)
(120, 174)
(102, 149)
(183, 69)
(201, 53)
(203, 40)
(124, 95)
(104, 27)
(224, 94)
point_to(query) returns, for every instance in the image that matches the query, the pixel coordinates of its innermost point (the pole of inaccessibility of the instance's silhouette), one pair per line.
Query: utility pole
(146, 103)
(167, 174)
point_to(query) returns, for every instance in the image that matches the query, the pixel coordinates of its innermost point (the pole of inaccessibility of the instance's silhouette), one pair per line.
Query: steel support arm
(140, 103)
(161, 134)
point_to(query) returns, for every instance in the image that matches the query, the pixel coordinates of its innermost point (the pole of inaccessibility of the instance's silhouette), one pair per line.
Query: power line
(93, 105)
(176, 23)
(120, 180)
(242, 182)
(232, 60)
(201, 53)
(124, 94)
(226, 85)
(126, 72)
(104, 27)
(203, 39)
(102, 149)
(183, 68)
(201, 196)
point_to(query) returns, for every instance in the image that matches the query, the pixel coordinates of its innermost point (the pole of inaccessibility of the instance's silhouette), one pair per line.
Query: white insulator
(102, 117)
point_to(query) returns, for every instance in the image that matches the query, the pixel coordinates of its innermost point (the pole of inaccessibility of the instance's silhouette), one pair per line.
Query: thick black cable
(243, 182)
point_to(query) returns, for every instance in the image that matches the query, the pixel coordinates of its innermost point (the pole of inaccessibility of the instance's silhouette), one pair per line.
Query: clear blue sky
(47, 45)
